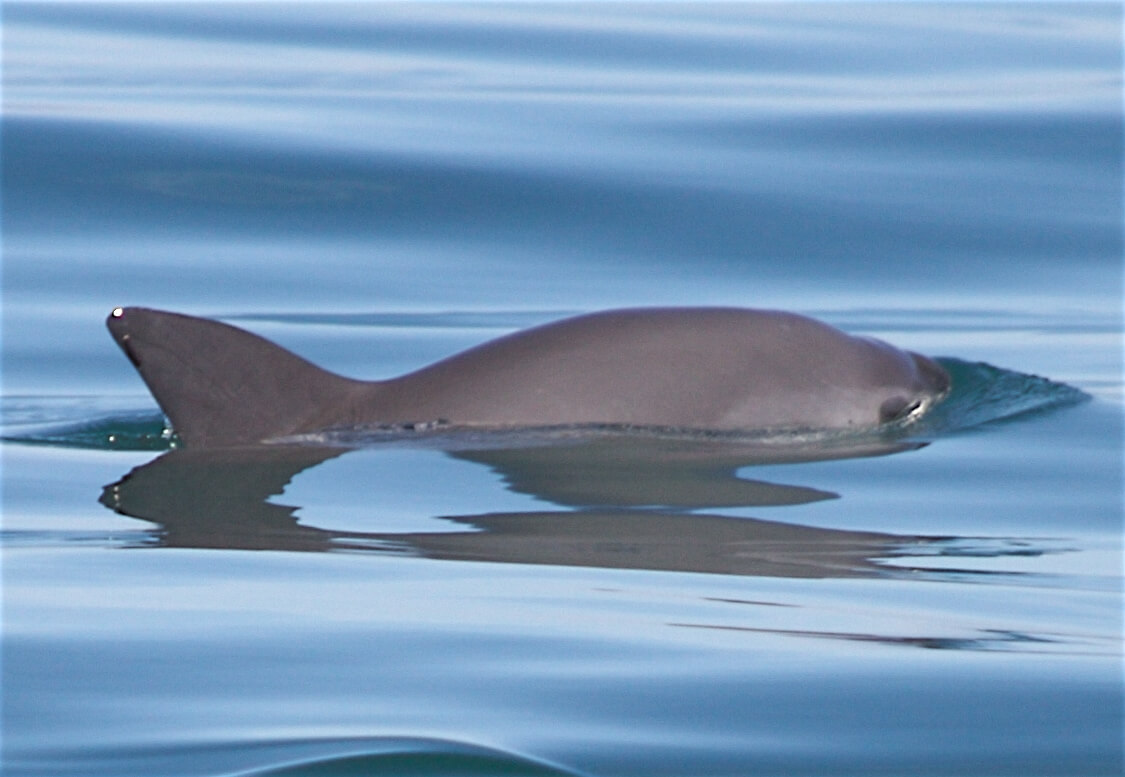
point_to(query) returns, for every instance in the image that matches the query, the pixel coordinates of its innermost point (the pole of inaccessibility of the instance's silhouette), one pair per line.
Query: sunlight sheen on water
(379, 186)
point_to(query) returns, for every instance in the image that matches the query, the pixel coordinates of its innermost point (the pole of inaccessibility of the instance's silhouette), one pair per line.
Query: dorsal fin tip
(220, 385)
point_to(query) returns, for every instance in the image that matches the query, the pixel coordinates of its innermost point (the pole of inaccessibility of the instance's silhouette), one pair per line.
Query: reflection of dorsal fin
(220, 498)
(222, 386)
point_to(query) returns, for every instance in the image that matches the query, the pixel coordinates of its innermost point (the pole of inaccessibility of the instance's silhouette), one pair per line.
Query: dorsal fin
(222, 386)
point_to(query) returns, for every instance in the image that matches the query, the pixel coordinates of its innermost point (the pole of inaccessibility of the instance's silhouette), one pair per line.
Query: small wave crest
(359, 756)
(983, 393)
(421, 758)
(129, 431)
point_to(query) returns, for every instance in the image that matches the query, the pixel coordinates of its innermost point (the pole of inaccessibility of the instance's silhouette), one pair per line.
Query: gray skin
(726, 369)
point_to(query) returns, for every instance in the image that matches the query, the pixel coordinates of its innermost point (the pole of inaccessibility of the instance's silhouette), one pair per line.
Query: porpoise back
(724, 369)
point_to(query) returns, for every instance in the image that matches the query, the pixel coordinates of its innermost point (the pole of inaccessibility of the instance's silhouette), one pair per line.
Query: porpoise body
(723, 369)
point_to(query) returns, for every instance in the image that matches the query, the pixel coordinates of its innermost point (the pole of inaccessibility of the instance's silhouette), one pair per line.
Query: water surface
(377, 186)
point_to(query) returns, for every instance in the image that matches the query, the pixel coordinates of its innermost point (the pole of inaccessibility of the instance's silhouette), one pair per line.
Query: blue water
(377, 186)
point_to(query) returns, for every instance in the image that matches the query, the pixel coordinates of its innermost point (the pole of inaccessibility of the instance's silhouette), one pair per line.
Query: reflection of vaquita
(218, 498)
(627, 419)
(632, 500)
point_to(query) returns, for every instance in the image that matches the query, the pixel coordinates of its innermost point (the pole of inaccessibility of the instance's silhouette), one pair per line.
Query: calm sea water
(376, 186)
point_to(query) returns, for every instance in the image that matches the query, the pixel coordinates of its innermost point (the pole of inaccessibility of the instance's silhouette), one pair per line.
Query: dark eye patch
(897, 407)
